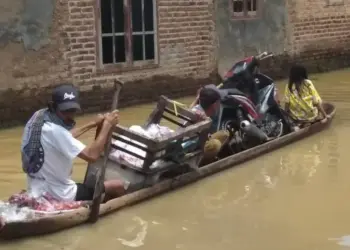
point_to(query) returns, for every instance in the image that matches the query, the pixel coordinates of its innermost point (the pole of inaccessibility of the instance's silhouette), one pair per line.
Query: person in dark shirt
(207, 104)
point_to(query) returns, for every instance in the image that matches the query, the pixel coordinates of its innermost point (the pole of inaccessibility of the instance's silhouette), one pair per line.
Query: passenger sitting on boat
(207, 104)
(302, 101)
(49, 146)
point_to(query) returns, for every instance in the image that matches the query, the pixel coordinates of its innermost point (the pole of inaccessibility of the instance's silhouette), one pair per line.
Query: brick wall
(186, 51)
(319, 32)
(186, 42)
(317, 35)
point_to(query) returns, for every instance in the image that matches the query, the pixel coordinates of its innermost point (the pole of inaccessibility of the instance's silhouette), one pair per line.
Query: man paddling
(49, 146)
(207, 104)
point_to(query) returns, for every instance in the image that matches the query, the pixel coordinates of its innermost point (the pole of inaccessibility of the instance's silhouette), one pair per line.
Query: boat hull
(69, 219)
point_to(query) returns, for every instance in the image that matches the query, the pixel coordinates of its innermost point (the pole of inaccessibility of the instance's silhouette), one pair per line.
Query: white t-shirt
(60, 149)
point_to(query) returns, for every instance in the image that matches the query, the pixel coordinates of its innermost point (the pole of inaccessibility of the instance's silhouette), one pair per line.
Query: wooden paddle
(96, 201)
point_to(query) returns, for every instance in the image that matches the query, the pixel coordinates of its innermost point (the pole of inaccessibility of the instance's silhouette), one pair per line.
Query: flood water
(293, 198)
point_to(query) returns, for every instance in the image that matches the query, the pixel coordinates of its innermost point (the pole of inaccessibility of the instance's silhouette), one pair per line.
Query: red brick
(89, 45)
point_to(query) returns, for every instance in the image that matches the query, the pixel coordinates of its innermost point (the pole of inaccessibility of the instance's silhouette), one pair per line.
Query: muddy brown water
(293, 198)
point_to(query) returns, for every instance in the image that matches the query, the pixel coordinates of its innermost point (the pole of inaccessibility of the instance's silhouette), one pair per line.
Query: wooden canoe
(58, 222)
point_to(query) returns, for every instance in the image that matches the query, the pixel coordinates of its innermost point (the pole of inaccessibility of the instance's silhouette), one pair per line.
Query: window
(128, 32)
(244, 8)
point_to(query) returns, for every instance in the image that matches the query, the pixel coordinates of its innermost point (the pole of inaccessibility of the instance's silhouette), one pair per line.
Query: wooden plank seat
(168, 152)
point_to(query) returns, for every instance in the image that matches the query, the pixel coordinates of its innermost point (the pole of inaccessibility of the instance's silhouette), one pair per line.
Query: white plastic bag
(154, 131)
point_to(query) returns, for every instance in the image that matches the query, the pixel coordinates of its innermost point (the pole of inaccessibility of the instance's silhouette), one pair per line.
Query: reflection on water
(140, 235)
(309, 159)
(342, 241)
(292, 198)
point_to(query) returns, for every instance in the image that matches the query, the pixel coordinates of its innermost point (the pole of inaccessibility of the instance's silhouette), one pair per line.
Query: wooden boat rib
(69, 219)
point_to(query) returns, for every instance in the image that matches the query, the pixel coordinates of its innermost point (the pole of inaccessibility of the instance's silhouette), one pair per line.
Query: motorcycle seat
(225, 92)
(235, 92)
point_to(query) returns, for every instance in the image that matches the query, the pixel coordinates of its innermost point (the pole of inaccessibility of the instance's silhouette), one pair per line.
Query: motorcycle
(250, 108)
(245, 76)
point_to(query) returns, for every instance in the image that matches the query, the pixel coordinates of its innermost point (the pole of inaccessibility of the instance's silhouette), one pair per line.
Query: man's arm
(70, 147)
(92, 152)
(194, 103)
(76, 132)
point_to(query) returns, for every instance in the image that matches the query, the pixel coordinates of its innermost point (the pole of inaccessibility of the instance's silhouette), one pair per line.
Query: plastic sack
(154, 131)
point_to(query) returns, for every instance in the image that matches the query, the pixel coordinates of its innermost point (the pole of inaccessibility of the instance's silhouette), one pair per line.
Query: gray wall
(26, 21)
(239, 38)
(27, 47)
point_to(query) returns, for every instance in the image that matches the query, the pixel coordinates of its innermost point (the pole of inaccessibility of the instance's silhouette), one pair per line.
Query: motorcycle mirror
(261, 55)
(266, 56)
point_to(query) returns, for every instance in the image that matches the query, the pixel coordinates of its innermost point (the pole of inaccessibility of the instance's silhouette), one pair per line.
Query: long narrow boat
(66, 220)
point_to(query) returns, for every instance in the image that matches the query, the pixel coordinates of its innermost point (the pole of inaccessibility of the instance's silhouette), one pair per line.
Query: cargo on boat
(142, 161)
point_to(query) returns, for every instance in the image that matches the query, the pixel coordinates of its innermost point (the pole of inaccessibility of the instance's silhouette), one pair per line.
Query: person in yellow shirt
(302, 101)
